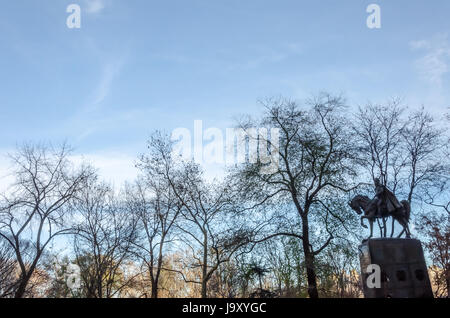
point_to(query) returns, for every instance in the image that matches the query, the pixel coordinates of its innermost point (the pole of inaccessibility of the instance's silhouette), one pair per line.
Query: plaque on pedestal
(403, 271)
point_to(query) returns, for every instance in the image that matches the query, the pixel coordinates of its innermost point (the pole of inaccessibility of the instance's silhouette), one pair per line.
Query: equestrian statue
(382, 206)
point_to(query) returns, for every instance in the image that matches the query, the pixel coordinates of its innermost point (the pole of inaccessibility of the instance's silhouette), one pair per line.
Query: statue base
(403, 271)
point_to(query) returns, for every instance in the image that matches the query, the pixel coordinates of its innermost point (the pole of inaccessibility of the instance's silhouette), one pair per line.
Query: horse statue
(400, 213)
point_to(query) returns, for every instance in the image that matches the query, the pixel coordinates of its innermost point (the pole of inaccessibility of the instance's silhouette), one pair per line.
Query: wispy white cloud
(110, 65)
(94, 6)
(435, 64)
(93, 115)
(109, 71)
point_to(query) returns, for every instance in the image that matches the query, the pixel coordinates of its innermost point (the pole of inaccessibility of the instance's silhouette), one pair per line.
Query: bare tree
(157, 208)
(406, 152)
(436, 229)
(34, 209)
(103, 240)
(204, 225)
(226, 281)
(201, 223)
(425, 147)
(317, 162)
(380, 129)
(341, 259)
(286, 261)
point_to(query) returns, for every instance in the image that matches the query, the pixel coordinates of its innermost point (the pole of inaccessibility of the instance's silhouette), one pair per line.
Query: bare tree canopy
(277, 224)
(103, 240)
(318, 163)
(34, 211)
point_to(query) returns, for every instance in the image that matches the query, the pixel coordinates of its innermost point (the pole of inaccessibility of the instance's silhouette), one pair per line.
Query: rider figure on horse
(382, 206)
(387, 203)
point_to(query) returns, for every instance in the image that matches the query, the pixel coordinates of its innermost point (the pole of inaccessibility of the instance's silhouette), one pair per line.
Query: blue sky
(139, 65)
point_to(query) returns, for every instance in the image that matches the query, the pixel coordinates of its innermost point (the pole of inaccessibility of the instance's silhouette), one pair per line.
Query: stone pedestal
(403, 269)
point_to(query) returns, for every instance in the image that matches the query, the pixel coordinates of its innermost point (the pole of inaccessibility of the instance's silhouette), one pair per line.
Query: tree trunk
(25, 275)
(155, 279)
(311, 275)
(309, 261)
(20, 292)
(154, 289)
(205, 265)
